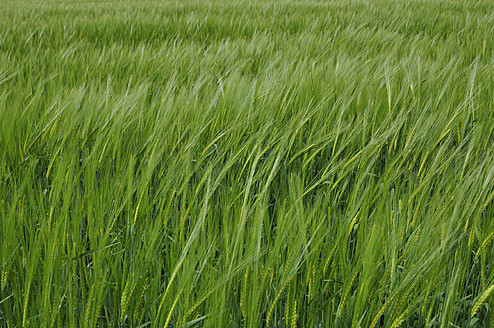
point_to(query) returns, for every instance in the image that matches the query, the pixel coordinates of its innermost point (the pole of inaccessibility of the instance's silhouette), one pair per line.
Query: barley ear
(294, 315)
(481, 300)
(397, 323)
(271, 310)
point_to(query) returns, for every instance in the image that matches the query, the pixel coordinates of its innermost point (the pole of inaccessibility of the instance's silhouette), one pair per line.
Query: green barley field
(235, 163)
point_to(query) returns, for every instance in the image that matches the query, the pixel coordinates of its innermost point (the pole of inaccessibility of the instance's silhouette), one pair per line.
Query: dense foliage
(247, 163)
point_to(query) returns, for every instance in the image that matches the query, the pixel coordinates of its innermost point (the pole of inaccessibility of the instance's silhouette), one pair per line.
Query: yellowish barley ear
(195, 306)
(485, 243)
(167, 210)
(137, 208)
(88, 308)
(311, 280)
(294, 315)
(491, 319)
(3, 279)
(404, 298)
(481, 300)
(115, 303)
(265, 276)
(244, 292)
(25, 322)
(124, 302)
(328, 261)
(140, 302)
(271, 310)
(483, 256)
(344, 301)
(397, 323)
(381, 311)
(287, 310)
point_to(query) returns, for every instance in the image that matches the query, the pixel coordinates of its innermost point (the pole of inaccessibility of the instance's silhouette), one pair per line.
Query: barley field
(234, 163)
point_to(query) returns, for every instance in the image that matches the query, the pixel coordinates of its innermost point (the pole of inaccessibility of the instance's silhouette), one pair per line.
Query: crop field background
(247, 163)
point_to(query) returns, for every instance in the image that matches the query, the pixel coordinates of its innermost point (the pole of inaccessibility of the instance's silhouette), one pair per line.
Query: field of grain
(237, 163)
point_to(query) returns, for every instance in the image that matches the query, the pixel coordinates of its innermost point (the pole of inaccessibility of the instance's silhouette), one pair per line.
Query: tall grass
(247, 163)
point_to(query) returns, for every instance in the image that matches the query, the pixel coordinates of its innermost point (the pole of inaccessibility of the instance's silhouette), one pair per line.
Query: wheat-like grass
(246, 163)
